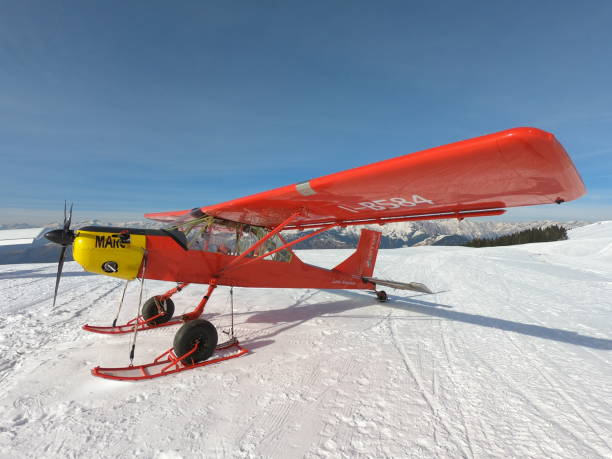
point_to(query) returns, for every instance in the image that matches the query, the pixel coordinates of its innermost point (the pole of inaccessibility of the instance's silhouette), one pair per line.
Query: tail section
(361, 263)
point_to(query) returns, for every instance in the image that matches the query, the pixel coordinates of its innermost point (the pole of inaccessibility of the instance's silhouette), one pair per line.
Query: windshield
(211, 234)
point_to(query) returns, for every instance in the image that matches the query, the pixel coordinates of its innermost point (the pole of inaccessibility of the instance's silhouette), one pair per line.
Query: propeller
(64, 237)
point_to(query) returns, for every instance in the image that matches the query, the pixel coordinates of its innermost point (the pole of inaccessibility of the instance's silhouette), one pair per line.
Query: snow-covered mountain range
(434, 232)
(395, 235)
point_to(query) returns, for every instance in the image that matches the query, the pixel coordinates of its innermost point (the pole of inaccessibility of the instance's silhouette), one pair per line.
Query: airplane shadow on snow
(299, 313)
(539, 331)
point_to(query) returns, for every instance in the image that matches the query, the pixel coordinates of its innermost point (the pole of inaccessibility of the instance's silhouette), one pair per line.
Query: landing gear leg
(197, 312)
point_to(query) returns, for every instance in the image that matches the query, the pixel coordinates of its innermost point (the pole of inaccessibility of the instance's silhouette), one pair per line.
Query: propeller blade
(60, 266)
(63, 237)
(69, 219)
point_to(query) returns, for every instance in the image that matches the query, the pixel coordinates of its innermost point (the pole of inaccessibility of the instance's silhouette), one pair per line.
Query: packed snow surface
(510, 358)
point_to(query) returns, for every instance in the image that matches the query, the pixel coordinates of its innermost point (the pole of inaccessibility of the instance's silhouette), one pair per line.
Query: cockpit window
(211, 234)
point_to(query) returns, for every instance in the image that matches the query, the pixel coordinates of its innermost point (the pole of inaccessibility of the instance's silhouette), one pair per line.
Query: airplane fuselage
(128, 253)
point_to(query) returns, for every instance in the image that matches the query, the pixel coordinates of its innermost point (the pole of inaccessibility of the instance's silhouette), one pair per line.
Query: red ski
(168, 363)
(128, 327)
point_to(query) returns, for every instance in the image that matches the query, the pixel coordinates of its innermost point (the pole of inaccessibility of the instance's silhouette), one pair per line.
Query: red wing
(517, 167)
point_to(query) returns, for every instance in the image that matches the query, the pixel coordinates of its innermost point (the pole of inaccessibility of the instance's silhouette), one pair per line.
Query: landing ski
(168, 363)
(128, 327)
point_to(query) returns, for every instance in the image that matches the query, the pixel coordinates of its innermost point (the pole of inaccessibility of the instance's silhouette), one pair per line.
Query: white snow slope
(511, 358)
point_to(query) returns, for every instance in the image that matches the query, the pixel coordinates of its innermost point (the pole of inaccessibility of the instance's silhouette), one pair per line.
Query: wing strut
(283, 247)
(268, 236)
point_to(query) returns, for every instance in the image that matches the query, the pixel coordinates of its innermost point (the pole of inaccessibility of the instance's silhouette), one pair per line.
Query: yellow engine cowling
(105, 253)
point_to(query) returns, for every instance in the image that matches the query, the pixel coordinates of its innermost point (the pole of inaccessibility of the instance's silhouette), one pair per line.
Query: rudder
(361, 263)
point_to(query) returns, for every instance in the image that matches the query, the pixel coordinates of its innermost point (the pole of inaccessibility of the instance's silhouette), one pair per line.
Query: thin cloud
(594, 153)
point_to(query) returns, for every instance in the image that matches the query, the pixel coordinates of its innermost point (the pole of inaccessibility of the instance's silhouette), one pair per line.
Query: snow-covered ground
(511, 358)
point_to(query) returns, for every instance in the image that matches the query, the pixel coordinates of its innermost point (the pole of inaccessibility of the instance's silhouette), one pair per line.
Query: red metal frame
(169, 365)
(259, 243)
(171, 292)
(197, 312)
(382, 221)
(283, 247)
(129, 326)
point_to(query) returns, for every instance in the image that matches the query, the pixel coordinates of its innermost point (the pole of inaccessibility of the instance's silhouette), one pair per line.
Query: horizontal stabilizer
(414, 286)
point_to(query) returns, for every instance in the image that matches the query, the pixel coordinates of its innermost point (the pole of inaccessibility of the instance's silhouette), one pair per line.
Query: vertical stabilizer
(361, 263)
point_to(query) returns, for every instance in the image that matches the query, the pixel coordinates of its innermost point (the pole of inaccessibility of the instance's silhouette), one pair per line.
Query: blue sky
(138, 106)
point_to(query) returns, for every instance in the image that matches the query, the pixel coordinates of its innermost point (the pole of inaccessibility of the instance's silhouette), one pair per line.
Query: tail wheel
(155, 305)
(381, 296)
(200, 332)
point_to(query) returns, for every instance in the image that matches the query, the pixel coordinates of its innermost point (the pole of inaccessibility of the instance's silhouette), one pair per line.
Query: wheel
(196, 331)
(149, 309)
(381, 295)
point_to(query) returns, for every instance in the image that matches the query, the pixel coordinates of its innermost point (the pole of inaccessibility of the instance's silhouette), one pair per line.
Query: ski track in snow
(509, 358)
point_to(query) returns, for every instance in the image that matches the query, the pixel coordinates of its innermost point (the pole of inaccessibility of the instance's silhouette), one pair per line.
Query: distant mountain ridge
(394, 235)
(417, 233)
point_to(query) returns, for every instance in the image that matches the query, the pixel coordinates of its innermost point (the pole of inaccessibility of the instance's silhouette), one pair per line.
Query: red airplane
(239, 242)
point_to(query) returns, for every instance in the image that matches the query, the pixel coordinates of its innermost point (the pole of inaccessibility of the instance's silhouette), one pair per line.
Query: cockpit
(210, 234)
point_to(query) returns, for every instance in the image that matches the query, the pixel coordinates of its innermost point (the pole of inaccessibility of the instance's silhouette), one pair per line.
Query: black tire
(149, 309)
(196, 331)
(381, 296)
